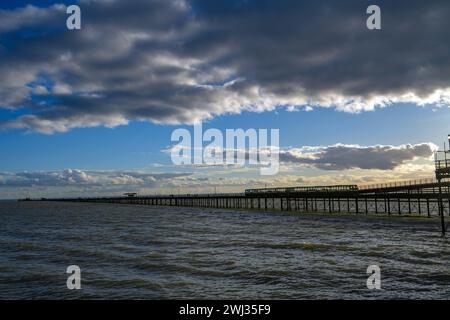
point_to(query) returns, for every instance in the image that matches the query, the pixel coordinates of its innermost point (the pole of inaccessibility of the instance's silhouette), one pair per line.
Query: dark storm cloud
(180, 61)
(341, 157)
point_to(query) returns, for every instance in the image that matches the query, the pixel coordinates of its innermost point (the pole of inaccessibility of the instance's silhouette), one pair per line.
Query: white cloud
(85, 179)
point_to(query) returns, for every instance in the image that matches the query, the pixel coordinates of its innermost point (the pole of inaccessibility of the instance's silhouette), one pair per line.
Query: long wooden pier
(411, 198)
(430, 197)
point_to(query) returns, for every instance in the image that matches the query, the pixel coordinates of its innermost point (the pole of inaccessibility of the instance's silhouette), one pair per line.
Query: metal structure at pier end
(442, 165)
(428, 197)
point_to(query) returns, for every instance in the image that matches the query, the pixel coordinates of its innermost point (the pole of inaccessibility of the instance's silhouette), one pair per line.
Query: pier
(428, 197)
(421, 197)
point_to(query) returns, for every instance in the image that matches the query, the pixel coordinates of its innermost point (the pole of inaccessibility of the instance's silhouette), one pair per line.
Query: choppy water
(166, 252)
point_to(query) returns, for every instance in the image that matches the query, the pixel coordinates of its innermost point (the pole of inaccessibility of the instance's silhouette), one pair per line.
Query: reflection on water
(166, 252)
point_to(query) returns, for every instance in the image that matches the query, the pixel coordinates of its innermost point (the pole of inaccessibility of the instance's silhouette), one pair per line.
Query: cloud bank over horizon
(335, 164)
(77, 177)
(171, 62)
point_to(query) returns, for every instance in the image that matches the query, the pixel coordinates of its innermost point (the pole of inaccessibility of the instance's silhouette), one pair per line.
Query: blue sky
(86, 113)
(137, 145)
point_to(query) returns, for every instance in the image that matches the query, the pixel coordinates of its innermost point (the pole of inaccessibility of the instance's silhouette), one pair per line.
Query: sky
(90, 112)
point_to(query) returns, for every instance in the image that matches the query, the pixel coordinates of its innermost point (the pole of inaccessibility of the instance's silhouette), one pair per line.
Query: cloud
(85, 179)
(181, 61)
(342, 157)
(300, 166)
(334, 157)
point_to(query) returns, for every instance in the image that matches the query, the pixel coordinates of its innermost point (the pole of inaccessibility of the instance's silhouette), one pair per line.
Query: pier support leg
(441, 209)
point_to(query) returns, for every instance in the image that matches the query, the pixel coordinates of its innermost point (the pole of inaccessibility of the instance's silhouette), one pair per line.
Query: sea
(151, 252)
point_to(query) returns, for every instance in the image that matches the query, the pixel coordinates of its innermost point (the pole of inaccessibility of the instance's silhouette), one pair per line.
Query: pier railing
(442, 164)
(396, 184)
